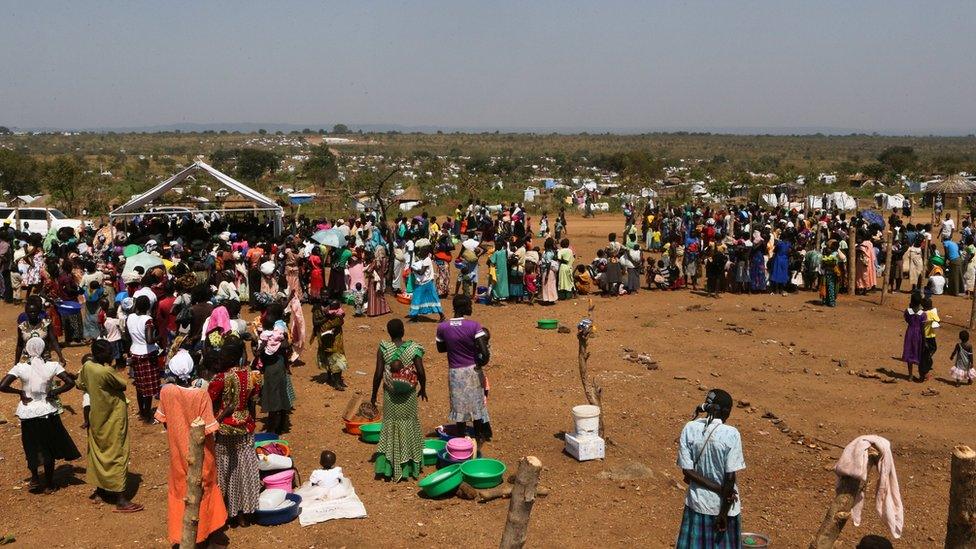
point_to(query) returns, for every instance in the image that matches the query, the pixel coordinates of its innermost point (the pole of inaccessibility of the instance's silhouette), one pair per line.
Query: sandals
(129, 508)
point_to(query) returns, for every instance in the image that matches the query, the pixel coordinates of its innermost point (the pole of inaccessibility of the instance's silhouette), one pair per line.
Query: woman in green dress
(499, 260)
(400, 368)
(108, 427)
(566, 257)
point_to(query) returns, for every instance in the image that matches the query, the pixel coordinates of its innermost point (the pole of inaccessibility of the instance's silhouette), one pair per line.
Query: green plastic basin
(548, 324)
(483, 473)
(370, 433)
(442, 482)
(431, 447)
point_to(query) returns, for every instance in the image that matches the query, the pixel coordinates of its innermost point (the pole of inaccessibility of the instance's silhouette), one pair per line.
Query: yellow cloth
(108, 430)
(931, 316)
(566, 282)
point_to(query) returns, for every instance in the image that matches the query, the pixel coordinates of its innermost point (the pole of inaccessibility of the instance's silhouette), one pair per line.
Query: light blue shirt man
(712, 452)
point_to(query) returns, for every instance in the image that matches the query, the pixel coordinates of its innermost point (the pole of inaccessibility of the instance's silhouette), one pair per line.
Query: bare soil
(784, 355)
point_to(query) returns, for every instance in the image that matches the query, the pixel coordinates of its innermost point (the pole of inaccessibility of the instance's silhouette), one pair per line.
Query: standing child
(962, 368)
(929, 345)
(111, 329)
(359, 300)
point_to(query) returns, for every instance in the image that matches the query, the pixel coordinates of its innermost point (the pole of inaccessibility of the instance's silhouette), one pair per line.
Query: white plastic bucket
(587, 419)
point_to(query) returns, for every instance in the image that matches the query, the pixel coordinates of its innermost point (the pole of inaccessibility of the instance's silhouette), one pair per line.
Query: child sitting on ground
(598, 267)
(583, 280)
(662, 276)
(962, 368)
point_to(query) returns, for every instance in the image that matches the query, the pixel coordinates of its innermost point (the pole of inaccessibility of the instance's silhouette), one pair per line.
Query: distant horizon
(779, 67)
(745, 131)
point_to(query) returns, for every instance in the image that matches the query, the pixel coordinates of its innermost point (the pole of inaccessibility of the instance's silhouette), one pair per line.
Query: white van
(39, 220)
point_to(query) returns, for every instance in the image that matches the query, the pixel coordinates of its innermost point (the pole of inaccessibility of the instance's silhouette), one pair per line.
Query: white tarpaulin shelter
(140, 205)
(839, 200)
(889, 201)
(773, 200)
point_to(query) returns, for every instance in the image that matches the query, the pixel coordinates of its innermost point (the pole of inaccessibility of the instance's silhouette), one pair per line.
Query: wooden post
(851, 260)
(591, 389)
(960, 526)
(972, 312)
(840, 508)
(520, 504)
(194, 485)
(889, 265)
(959, 212)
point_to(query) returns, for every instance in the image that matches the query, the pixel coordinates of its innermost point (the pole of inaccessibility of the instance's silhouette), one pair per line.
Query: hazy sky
(870, 65)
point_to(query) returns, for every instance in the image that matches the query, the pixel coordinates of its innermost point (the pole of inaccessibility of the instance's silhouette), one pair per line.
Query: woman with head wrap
(43, 435)
(234, 392)
(180, 403)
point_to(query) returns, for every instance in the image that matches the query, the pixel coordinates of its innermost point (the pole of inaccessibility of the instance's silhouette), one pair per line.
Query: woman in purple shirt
(466, 344)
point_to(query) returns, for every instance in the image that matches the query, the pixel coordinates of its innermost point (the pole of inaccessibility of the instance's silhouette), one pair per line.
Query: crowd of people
(160, 303)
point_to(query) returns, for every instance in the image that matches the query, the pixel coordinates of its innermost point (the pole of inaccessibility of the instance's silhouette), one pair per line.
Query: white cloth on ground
(327, 495)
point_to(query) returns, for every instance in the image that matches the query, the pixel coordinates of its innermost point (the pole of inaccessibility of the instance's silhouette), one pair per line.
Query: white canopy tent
(139, 205)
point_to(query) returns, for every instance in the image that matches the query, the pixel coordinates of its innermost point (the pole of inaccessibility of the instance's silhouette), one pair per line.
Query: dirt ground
(784, 355)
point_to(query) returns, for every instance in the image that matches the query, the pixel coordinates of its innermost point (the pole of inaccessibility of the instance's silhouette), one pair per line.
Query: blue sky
(869, 65)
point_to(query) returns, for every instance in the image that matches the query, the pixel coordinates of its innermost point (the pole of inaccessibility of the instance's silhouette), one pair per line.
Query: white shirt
(36, 382)
(136, 326)
(948, 226)
(937, 283)
(146, 291)
(113, 329)
(722, 454)
(421, 274)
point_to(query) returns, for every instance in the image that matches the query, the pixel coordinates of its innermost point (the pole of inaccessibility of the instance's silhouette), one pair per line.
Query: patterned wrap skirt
(402, 440)
(237, 472)
(698, 530)
(467, 395)
(145, 373)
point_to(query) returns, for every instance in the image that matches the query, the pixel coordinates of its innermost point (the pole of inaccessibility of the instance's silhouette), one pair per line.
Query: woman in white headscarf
(43, 435)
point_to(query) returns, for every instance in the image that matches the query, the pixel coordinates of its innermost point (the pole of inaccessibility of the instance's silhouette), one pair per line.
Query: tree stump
(840, 508)
(972, 313)
(194, 485)
(961, 524)
(520, 505)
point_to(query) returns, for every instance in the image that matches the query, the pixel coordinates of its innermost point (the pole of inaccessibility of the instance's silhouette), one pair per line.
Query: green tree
(252, 164)
(223, 159)
(262, 131)
(898, 158)
(65, 177)
(4, 130)
(340, 128)
(321, 166)
(18, 172)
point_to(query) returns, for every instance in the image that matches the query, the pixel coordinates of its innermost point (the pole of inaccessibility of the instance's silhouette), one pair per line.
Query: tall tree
(321, 166)
(252, 164)
(340, 128)
(18, 172)
(899, 158)
(65, 177)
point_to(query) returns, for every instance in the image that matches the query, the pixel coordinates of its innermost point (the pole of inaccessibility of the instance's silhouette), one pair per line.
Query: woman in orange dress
(181, 402)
